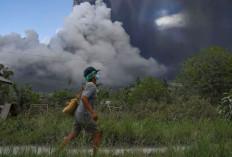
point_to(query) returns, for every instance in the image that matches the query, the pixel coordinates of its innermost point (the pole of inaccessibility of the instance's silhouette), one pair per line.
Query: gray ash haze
(133, 38)
(88, 38)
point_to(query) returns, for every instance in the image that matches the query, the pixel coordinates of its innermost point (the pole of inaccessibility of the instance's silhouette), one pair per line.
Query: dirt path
(116, 151)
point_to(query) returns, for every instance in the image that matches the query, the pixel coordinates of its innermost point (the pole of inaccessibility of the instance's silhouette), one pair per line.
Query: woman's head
(90, 74)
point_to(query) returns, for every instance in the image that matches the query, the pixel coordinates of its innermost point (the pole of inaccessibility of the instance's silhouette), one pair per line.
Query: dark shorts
(89, 126)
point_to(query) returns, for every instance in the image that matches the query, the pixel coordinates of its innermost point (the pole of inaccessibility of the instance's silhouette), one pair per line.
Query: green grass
(119, 129)
(128, 130)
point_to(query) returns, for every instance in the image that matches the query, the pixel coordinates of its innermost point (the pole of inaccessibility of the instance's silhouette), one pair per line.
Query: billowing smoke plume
(88, 38)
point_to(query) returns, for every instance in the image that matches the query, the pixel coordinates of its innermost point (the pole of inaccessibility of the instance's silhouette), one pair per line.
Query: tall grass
(119, 129)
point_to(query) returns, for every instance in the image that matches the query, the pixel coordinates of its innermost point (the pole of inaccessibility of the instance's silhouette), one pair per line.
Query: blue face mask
(97, 77)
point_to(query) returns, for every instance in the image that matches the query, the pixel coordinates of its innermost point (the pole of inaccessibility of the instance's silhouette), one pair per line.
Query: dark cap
(89, 70)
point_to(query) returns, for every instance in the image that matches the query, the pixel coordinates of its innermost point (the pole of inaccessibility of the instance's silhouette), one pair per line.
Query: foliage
(149, 89)
(21, 95)
(195, 108)
(24, 95)
(225, 108)
(102, 95)
(60, 97)
(118, 130)
(208, 73)
(203, 148)
(5, 72)
(120, 97)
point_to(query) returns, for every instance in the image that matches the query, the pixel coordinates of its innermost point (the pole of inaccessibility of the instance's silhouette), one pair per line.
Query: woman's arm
(85, 101)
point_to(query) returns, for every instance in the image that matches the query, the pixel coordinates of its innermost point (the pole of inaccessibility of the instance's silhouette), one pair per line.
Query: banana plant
(225, 109)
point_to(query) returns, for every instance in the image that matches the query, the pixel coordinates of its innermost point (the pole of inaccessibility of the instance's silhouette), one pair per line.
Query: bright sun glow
(175, 20)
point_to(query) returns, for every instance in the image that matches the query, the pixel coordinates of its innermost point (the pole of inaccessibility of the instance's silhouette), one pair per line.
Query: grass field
(119, 129)
(204, 136)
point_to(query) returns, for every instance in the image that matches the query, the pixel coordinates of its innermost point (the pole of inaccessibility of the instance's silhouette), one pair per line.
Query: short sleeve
(89, 91)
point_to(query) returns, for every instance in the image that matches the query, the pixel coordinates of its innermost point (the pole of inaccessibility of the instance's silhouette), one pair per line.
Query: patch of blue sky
(43, 16)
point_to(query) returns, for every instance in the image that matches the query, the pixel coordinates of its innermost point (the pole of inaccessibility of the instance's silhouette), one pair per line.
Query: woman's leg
(96, 141)
(70, 137)
(75, 132)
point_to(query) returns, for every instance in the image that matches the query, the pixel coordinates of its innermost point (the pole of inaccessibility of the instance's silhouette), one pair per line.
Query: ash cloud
(88, 38)
(194, 24)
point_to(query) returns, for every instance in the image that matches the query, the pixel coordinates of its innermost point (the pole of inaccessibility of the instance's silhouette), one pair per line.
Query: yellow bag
(73, 104)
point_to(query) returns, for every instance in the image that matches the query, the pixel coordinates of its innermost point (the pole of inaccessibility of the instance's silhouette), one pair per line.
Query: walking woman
(84, 117)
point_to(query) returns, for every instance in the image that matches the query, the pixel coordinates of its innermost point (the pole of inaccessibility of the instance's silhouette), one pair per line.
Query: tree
(24, 95)
(5, 72)
(4, 89)
(208, 73)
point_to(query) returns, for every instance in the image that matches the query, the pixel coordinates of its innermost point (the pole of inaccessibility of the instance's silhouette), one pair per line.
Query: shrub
(208, 73)
(102, 95)
(149, 89)
(120, 97)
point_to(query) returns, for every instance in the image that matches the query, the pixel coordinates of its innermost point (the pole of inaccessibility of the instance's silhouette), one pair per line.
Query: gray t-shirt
(82, 114)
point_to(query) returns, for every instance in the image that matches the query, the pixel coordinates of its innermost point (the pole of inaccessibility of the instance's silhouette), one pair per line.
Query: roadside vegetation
(194, 110)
